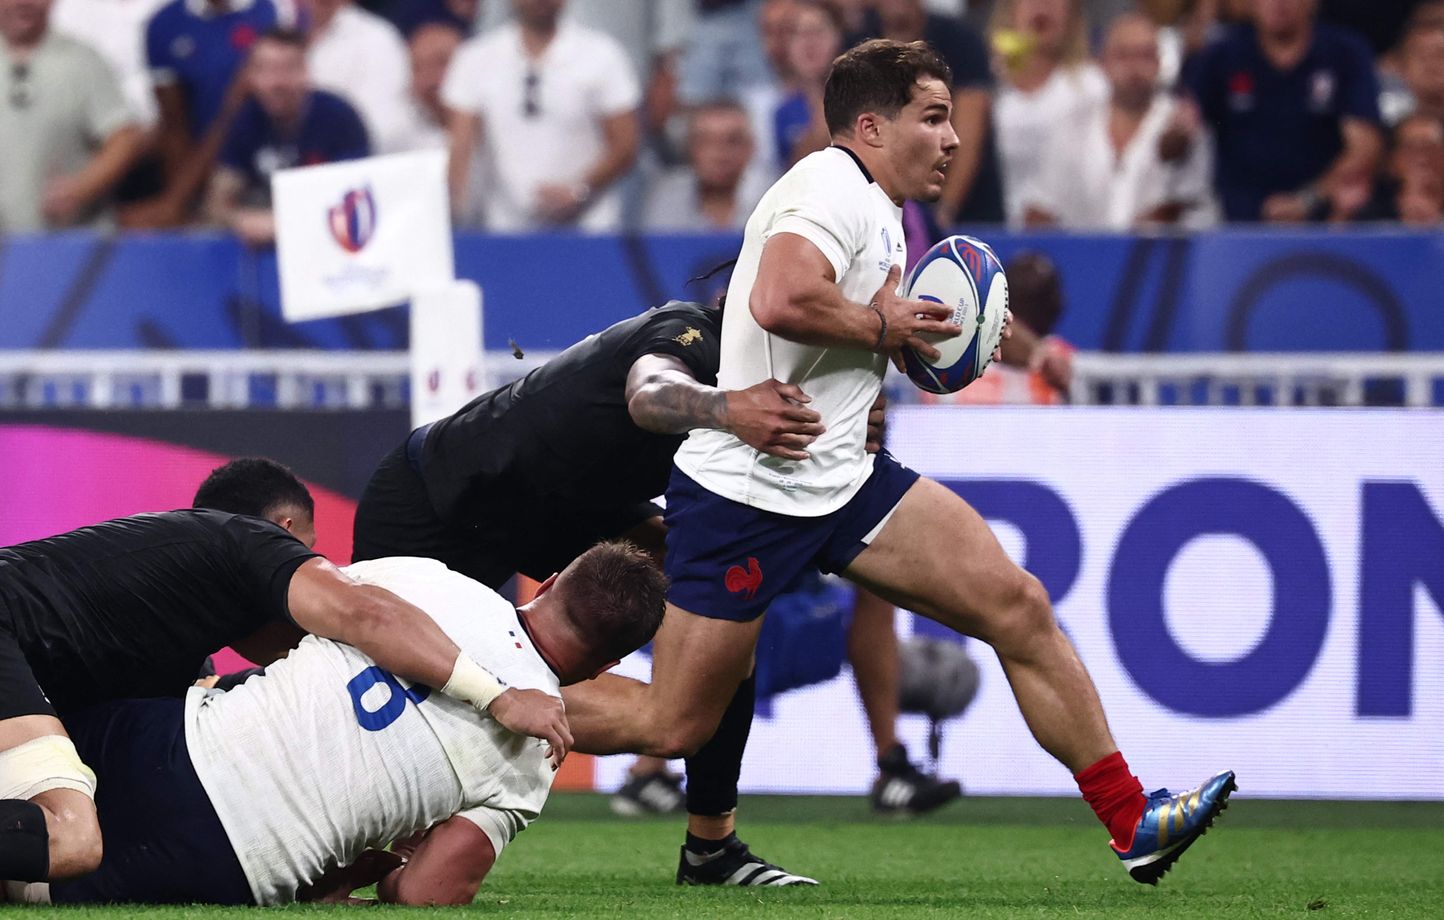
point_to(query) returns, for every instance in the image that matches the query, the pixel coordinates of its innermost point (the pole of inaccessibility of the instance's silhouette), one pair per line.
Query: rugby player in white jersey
(261, 794)
(813, 302)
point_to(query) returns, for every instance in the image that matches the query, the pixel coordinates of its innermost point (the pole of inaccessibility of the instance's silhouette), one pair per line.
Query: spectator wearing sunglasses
(66, 133)
(553, 106)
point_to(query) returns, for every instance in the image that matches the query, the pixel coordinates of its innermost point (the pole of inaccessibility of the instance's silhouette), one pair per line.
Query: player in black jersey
(130, 608)
(528, 476)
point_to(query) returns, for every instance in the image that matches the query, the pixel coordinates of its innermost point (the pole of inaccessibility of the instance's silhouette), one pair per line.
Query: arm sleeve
(499, 826)
(158, 58)
(460, 88)
(106, 110)
(267, 557)
(831, 222)
(692, 340)
(1361, 83)
(616, 90)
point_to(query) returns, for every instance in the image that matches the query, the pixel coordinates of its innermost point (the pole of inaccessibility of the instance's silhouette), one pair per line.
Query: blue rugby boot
(1170, 825)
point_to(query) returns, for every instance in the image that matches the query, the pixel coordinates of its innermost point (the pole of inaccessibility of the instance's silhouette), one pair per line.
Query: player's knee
(75, 840)
(47, 771)
(1024, 611)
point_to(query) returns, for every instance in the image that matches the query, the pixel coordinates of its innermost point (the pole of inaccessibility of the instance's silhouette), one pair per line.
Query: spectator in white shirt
(432, 46)
(553, 105)
(362, 58)
(713, 193)
(66, 135)
(1047, 77)
(1105, 166)
(116, 29)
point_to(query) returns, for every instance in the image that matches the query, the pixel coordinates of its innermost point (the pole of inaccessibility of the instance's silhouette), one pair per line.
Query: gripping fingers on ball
(922, 348)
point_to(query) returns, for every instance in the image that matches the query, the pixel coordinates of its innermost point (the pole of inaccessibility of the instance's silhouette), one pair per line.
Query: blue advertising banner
(1236, 290)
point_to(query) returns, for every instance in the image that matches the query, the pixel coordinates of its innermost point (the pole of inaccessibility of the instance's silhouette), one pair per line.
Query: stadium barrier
(310, 379)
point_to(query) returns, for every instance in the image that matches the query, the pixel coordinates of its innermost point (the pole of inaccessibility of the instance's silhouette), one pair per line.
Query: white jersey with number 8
(327, 754)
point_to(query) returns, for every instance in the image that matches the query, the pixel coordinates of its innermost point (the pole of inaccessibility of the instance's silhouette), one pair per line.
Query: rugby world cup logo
(353, 221)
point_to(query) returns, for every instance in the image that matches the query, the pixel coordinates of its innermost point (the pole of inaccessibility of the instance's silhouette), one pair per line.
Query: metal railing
(1262, 379)
(293, 380)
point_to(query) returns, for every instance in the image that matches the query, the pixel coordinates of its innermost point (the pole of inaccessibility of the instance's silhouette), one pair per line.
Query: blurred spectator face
(720, 146)
(1035, 292)
(816, 40)
(278, 78)
(1419, 149)
(775, 24)
(431, 46)
(1429, 13)
(1045, 21)
(23, 22)
(900, 10)
(1283, 17)
(537, 14)
(1423, 62)
(1130, 60)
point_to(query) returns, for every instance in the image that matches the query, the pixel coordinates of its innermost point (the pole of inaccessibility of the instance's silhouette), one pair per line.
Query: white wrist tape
(471, 683)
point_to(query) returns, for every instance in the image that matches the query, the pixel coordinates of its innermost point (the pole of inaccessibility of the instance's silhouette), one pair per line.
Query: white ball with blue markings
(963, 274)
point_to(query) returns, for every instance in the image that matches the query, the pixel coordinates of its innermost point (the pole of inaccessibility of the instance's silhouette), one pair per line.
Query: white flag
(362, 234)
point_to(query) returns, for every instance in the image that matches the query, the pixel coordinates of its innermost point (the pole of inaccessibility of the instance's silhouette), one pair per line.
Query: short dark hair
(255, 486)
(613, 596)
(878, 76)
(1035, 291)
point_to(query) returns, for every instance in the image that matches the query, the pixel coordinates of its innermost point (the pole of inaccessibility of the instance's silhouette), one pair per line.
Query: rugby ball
(965, 275)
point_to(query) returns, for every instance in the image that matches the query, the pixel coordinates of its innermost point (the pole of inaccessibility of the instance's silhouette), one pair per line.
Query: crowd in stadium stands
(676, 114)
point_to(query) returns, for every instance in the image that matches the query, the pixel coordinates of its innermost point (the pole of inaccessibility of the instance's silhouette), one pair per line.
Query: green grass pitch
(981, 858)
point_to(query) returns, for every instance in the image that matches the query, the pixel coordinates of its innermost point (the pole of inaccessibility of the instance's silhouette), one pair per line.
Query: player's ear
(868, 128)
(546, 586)
(603, 669)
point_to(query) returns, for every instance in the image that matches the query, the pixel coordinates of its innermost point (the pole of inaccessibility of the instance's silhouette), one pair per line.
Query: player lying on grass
(132, 607)
(252, 796)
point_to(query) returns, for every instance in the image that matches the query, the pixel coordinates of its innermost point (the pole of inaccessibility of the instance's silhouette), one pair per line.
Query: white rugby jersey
(830, 201)
(327, 754)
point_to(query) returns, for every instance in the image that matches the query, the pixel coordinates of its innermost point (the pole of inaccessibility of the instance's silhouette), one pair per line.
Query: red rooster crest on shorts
(739, 580)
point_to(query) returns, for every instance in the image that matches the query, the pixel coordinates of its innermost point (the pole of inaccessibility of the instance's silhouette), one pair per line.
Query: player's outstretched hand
(909, 320)
(773, 417)
(536, 715)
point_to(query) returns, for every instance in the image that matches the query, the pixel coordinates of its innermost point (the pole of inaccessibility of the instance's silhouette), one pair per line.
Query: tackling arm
(405, 641)
(663, 396)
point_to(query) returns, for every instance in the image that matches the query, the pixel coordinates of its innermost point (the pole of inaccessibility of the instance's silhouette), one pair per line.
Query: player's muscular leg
(936, 556)
(697, 663)
(74, 846)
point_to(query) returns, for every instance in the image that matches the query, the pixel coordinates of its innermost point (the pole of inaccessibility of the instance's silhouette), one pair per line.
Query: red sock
(1115, 795)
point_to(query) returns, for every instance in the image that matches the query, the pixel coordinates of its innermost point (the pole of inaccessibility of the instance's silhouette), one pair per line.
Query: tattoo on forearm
(674, 408)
